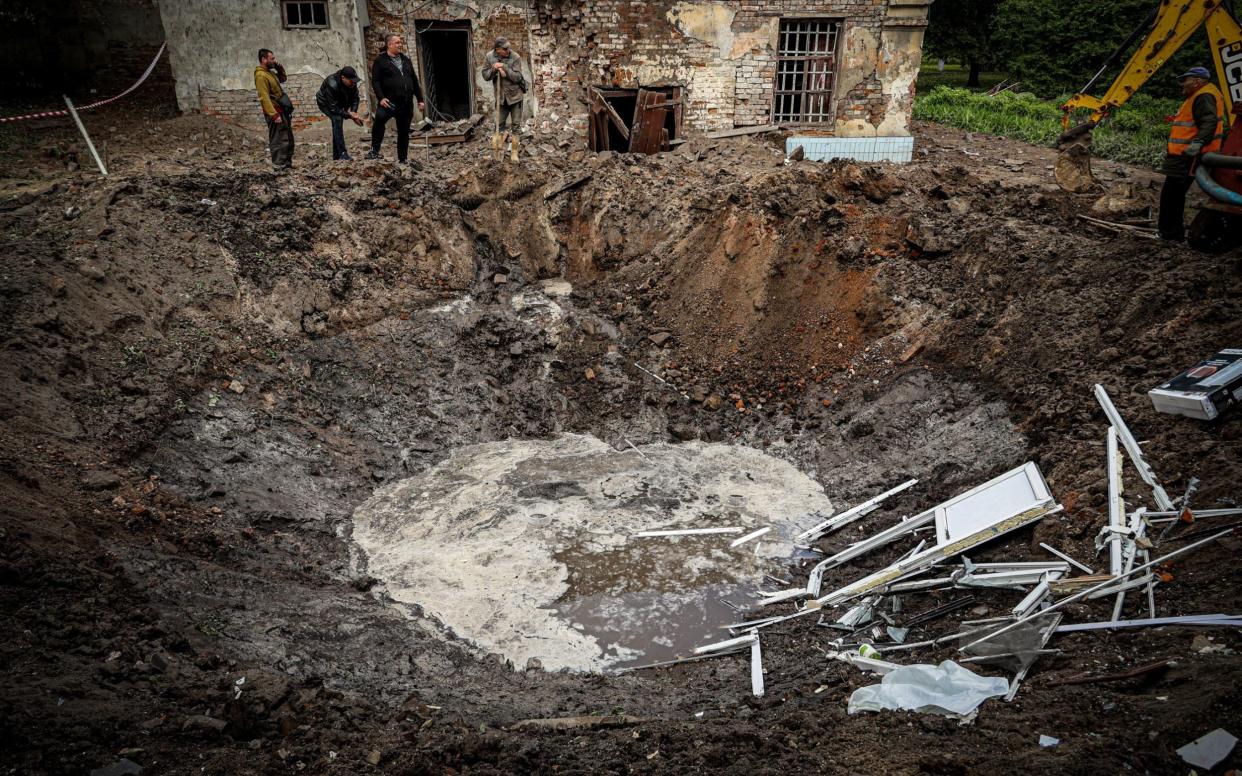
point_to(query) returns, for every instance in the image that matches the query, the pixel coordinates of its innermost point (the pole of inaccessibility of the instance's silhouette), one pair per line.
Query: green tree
(1055, 46)
(962, 30)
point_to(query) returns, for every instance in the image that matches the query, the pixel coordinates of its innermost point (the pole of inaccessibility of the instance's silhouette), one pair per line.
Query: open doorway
(445, 61)
(640, 121)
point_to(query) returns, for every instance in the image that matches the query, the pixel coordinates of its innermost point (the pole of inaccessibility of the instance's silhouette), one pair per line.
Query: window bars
(805, 71)
(306, 15)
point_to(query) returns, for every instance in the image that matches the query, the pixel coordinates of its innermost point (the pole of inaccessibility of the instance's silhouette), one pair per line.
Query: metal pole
(82, 128)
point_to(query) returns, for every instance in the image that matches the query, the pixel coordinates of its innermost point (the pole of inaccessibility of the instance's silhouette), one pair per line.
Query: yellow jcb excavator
(1218, 226)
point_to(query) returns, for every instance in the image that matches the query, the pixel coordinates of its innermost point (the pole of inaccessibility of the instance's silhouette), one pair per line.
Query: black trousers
(1172, 220)
(339, 151)
(280, 142)
(404, 114)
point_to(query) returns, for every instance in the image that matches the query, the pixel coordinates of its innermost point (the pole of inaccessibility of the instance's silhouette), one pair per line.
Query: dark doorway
(444, 58)
(641, 121)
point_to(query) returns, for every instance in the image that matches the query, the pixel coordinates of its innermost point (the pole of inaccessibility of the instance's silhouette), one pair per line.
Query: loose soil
(209, 366)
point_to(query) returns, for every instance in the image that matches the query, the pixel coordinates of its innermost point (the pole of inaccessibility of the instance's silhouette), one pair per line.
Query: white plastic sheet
(946, 689)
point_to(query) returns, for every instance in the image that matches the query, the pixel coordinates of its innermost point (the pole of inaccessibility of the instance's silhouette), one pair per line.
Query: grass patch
(1136, 133)
(955, 76)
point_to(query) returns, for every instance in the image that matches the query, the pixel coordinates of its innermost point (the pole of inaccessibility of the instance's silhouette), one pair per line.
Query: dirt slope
(209, 366)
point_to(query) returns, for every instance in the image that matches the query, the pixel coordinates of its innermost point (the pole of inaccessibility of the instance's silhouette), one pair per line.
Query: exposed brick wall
(241, 106)
(865, 101)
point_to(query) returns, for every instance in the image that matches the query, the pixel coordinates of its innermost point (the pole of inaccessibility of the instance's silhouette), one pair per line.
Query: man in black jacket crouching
(338, 100)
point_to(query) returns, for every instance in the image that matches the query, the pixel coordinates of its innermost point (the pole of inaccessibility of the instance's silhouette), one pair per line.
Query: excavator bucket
(1073, 167)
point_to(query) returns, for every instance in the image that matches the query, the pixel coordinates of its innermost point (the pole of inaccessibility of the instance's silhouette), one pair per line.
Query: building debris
(578, 723)
(1066, 558)
(1202, 620)
(1159, 665)
(752, 535)
(756, 668)
(686, 532)
(938, 612)
(866, 663)
(1208, 751)
(1204, 391)
(1003, 504)
(1083, 594)
(859, 615)
(1014, 642)
(947, 689)
(1132, 447)
(741, 131)
(850, 515)
(1168, 517)
(740, 641)
(572, 183)
(1033, 599)
(455, 132)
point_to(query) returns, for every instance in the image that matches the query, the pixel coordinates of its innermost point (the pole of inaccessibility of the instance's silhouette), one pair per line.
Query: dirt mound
(208, 367)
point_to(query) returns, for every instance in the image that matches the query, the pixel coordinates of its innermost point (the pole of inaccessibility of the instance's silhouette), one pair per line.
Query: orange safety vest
(1184, 128)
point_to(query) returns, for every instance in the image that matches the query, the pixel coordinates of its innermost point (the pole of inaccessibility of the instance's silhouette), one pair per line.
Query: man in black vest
(397, 90)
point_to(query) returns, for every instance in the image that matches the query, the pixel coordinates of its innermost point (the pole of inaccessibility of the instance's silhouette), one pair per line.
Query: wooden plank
(739, 131)
(646, 136)
(573, 183)
(616, 119)
(1132, 673)
(595, 118)
(578, 723)
(430, 140)
(678, 112)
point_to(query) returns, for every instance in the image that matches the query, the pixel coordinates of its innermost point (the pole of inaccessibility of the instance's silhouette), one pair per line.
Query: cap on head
(349, 73)
(1196, 72)
(502, 43)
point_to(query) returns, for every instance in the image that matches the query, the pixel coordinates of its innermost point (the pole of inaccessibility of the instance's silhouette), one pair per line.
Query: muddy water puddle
(658, 598)
(527, 548)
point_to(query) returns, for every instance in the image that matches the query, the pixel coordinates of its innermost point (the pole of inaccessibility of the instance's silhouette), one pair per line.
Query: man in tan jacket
(277, 109)
(504, 67)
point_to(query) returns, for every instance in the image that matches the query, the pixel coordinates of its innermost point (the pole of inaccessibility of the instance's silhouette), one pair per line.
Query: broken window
(641, 121)
(805, 71)
(305, 15)
(444, 58)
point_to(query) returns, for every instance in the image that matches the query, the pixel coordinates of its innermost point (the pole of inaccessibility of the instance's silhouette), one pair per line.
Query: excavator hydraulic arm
(1174, 22)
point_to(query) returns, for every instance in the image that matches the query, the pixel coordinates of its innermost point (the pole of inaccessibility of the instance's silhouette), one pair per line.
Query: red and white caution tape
(52, 113)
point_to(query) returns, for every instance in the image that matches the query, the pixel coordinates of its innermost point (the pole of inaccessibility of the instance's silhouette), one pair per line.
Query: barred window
(806, 69)
(305, 15)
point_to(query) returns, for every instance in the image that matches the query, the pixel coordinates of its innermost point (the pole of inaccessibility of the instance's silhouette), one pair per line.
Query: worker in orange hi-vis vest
(1196, 129)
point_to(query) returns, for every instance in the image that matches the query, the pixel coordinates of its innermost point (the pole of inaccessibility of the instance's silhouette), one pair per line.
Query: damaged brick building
(839, 70)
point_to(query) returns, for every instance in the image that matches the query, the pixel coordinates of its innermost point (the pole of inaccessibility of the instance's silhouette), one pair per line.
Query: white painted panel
(992, 502)
(863, 149)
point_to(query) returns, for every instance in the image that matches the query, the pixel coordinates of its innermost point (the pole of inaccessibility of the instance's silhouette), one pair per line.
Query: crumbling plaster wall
(724, 51)
(213, 45)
